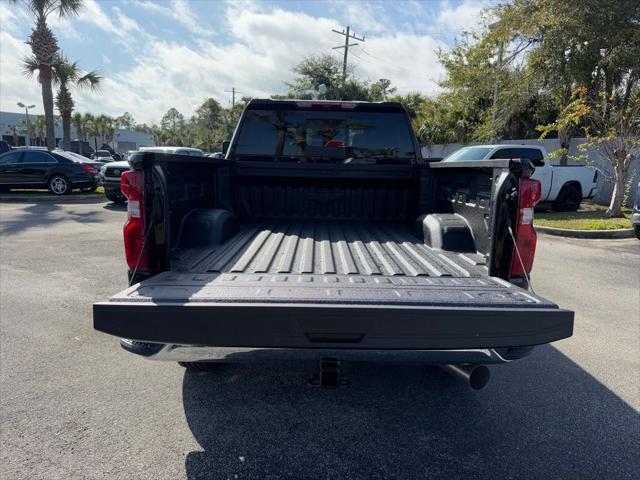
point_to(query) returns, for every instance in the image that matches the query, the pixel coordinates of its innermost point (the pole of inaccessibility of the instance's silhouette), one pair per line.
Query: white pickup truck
(562, 186)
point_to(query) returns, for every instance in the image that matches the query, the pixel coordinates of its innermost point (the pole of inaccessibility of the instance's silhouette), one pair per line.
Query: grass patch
(589, 217)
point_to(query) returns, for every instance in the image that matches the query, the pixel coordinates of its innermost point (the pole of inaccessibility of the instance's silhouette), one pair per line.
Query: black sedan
(40, 169)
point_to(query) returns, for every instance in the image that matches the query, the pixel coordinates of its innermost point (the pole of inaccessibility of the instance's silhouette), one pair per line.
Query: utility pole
(347, 37)
(495, 94)
(496, 81)
(233, 96)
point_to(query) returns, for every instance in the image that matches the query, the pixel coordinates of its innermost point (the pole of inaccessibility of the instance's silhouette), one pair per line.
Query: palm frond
(67, 8)
(90, 80)
(30, 66)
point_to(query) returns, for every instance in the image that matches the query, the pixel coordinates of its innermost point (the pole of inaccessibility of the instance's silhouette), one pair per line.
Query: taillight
(89, 169)
(137, 253)
(529, 192)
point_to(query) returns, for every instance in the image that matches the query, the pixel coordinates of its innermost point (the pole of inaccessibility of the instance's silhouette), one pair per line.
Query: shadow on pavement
(540, 417)
(44, 215)
(30, 196)
(116, 207)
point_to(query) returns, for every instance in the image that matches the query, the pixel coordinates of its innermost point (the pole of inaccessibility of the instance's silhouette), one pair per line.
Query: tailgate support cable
(515, 246)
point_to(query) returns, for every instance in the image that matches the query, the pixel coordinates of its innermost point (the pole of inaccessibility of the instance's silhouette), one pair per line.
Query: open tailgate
(336, 311)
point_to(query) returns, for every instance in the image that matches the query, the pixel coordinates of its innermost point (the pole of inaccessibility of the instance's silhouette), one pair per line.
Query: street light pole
(26, 114)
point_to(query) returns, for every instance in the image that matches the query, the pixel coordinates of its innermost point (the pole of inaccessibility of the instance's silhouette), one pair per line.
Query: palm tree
(44, 47)
(40, 127)
(14, 129)
(87, 118)
(77, 121)
(108, 129)
(67, 74)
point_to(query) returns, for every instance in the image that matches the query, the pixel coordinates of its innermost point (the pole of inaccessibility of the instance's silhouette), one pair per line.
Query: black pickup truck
(323, 234)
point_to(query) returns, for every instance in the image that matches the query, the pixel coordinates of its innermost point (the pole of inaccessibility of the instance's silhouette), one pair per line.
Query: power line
(347, 37)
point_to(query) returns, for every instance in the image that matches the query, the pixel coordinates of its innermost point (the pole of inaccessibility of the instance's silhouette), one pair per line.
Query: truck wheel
(117, 199)
(568, 199)
(59, 185)
(636, 228)
(200, 366)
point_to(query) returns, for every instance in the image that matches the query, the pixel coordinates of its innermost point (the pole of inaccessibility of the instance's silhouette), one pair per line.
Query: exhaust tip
(476, 376)
(479, 377)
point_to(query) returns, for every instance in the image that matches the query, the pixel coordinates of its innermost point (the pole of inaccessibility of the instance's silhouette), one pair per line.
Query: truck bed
(326, 248)
(332, 284)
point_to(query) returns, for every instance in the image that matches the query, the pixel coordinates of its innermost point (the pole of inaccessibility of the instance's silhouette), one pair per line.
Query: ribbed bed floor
(328, 247)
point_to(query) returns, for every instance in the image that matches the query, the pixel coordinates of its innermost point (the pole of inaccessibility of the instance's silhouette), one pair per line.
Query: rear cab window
(316, 135)
(468, 154)
(533, 154)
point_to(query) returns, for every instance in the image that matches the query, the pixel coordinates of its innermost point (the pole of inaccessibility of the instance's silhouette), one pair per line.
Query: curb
(47, 198)
(595, 234)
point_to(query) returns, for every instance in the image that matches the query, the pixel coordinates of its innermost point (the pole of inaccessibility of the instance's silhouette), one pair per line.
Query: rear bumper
(111, 187)
(322, 326)
(193, 353)
(85, 181)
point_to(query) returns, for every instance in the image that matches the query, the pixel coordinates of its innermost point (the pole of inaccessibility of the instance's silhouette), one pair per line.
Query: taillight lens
(89, 169)
(529, 192)
(136, 252)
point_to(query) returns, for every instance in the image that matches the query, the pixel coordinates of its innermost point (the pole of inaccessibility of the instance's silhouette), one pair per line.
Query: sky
(159, 54)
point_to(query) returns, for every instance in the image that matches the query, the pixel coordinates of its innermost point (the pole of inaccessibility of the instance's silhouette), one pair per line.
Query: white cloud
(256, 57)
(14, 86)
(11, 17)
(465, 16)
(180, 12)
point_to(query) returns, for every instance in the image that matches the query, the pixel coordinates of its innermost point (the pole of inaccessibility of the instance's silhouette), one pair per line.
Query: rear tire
(200, 366)
(59, 185)
(117, 199)
(568, 199)
(636, 228)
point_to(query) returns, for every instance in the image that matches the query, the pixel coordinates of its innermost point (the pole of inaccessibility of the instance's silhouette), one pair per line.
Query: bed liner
(329, 247)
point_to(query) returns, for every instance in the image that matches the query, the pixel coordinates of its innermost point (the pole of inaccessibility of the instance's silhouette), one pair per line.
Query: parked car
(29, 168)
(110, 179)
(103, 155)
(326, 236)
(115, 155)
(635, 216)
(76, 157)
(563, 187)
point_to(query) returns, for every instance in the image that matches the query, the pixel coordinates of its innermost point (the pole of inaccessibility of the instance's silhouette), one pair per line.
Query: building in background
(13, 130)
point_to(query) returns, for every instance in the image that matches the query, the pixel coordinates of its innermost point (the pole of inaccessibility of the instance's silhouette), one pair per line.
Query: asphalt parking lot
(74, 405)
